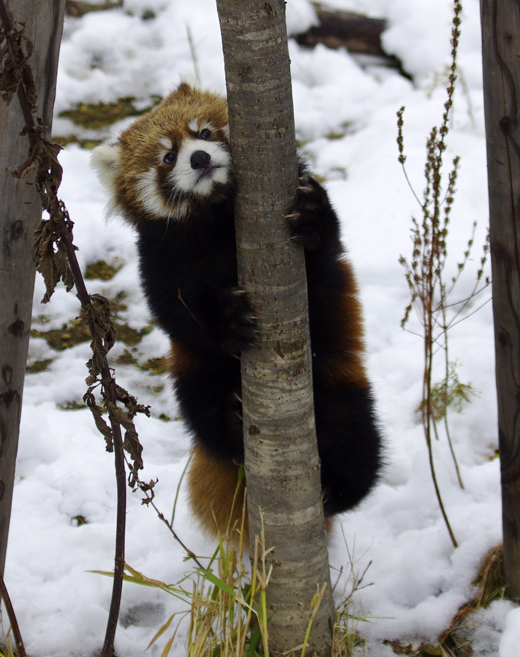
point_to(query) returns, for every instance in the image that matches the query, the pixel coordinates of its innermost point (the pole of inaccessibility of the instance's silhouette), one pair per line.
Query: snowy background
(345, 110)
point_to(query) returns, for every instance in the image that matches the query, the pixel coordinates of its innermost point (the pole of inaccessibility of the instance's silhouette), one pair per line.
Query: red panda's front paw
(306, 220)
(239, 327)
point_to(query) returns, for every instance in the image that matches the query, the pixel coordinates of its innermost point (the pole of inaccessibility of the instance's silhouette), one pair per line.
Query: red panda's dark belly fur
(184, 267)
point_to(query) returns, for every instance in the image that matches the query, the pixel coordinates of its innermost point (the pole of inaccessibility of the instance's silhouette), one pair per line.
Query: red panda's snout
(199, 169)
(200, 160)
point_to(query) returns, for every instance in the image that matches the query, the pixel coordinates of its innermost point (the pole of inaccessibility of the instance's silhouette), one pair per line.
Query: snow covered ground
(346, 118)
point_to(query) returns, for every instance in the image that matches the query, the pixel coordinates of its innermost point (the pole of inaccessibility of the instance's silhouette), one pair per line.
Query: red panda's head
(172, 157)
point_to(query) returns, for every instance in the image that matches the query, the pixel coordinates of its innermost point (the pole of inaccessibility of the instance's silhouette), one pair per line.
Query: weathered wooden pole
(281, 457)
(501, 64)
(20, 211)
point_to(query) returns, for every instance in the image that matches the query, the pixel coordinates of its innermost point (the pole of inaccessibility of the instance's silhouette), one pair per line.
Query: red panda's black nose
(200, 160)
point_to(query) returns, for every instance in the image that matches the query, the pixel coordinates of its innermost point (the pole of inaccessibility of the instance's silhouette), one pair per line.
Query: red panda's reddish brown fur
(215, 494)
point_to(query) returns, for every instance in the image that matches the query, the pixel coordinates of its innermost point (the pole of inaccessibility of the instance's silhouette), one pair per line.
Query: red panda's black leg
(208, 392)
(237, 324)
(312, 219)
(349, 440)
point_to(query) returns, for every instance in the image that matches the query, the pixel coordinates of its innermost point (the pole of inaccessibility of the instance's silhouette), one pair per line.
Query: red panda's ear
(187, 86)
(184, 89)
(106, 160)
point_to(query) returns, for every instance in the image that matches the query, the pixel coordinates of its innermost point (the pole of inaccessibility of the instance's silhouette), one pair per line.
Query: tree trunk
(281, 456)
(19, 214)
(501, 62)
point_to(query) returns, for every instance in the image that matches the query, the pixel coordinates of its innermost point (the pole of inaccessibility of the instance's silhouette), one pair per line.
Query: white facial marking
(154, 203)
(166, 142)
(197, 125)
(195, 181)
(151, 200)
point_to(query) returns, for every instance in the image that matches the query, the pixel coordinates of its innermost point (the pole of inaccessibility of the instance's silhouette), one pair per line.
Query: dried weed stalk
(347, 639)
(431, 294)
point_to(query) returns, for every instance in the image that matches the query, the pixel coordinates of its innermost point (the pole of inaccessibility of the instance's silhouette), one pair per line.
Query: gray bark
(501, 62)
(19, 214)
(281, 456)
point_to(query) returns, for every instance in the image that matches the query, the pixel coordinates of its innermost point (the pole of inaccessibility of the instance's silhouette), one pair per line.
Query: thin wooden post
(20, 211)
(501, 64)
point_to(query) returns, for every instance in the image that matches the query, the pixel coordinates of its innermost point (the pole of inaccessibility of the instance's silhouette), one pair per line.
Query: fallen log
(345, 29)
(359, 34)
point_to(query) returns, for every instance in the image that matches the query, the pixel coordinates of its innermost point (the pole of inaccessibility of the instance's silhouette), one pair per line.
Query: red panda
(170, 175)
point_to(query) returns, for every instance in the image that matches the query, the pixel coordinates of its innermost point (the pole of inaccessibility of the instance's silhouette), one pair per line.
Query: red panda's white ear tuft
(105, 160)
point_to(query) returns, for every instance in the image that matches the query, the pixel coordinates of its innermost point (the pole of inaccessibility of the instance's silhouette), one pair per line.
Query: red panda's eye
(169, 157)
(205, 134)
